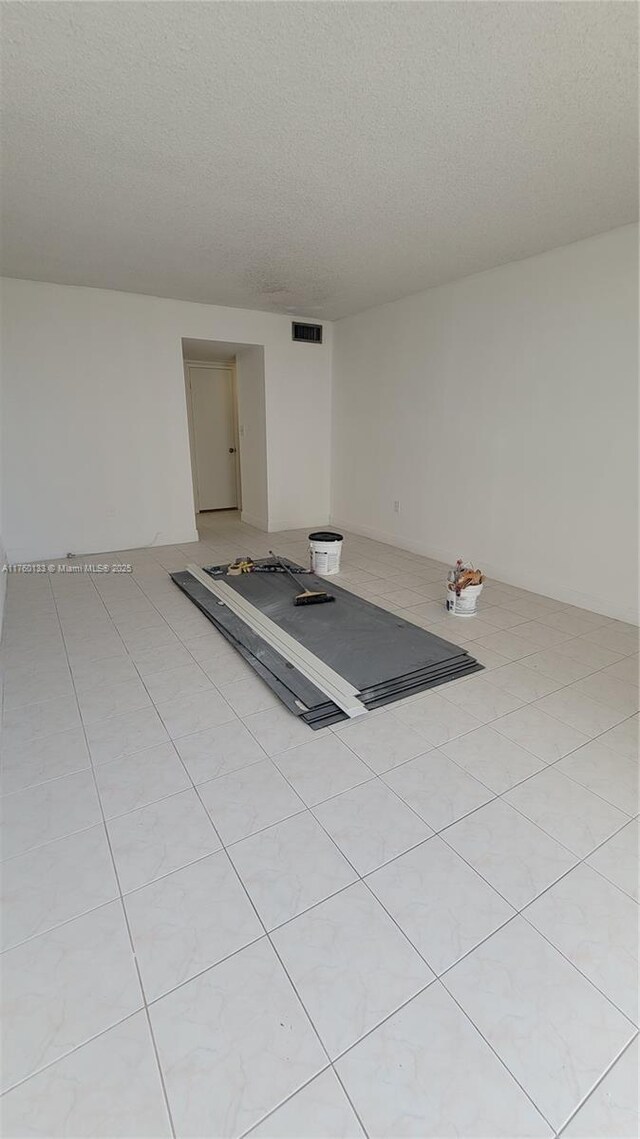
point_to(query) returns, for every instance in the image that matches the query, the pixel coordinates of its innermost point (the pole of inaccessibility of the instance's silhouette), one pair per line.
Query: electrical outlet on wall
(396, 507)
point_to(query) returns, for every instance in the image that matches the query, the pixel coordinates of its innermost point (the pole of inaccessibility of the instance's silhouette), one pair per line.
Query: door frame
(224, 366)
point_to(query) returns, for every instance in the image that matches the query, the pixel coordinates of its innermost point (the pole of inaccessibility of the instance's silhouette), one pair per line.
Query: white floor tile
(580, 712)
(529, 607)
(595, 925)
(290, 867)
(589, 653)
(50, 652)
(611, 1111)
(621, 641)
(350, 964)
(607, 774)
(110, 671)
(217, 751)
(193, 712)
(558, 666)
(51, 810)
(437, 719)
(493, 759)
(35, 685)
(488, 657)
(171, 683)
(626, 670)
(65, 986)
(93, 647)
(371, 825)
(124, 735)
(224, 669)
(442, 905)
(248, 800)
(321, 1110)
(623, 738)
(509, 644)
(545, 636)
(36, 761)
(212, 646)
(322, 768)
(426, 1073)
(520, 680)
(482, 699)
(159, 838)
(233, 1044)
(248, 694)
(543, 735)
(55, 882)
(163, 659)
(471, 629)
(548, 1024)
(516, 857)
(276, 730)
(109, 1088)
(611, 690)
(437, 789)
(573, 621)
(31, 721)
(188, 921)
(617, 860)
(139, 779)
(146, 640)
(112, 700)
(498, 617)
(382, 741)
(568, 812)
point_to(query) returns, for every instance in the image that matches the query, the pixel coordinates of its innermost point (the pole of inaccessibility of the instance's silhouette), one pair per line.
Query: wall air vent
(312, 333)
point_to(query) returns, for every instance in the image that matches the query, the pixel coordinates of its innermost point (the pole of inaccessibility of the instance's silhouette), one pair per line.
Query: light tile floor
(219, 923)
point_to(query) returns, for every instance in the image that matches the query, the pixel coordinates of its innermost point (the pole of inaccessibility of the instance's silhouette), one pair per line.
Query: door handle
(232, 450)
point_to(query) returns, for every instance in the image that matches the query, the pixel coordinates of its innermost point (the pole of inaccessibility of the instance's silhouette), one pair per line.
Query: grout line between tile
(125, 916)
(596, 1085)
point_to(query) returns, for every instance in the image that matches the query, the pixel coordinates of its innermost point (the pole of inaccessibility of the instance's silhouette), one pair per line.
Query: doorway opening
(227, 431)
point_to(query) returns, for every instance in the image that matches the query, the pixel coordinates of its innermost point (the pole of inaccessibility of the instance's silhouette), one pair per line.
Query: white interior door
(214, 437)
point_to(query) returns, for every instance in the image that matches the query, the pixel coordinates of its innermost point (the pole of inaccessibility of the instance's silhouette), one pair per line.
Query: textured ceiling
(310, 157)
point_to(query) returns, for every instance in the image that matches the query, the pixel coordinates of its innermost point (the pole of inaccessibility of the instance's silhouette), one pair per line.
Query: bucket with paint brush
(464, 586)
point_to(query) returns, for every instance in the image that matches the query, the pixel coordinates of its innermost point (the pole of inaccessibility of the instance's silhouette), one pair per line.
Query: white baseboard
(297, 524)
(94, 549)
(173, 541)
(257, 523)
(607, 606)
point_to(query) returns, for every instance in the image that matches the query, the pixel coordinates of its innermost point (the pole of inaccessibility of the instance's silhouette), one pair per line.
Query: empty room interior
(319, 546)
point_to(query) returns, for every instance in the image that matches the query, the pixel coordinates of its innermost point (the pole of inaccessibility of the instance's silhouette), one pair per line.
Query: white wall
(254, 475)
(501, 411)
(3, 556)
(96, 450)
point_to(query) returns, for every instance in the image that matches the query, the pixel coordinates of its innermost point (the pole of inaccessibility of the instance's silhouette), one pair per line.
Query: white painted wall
(501, 411)
(96, 449)
(3, 556)
(254, 475)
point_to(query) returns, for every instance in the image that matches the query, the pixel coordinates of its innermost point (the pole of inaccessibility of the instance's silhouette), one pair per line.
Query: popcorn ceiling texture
(310, 157)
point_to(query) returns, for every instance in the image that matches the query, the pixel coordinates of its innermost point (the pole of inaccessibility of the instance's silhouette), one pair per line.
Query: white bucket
(325, 547)
(464, 604)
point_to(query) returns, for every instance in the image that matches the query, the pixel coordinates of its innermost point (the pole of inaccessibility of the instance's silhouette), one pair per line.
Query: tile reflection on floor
(218, 922)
